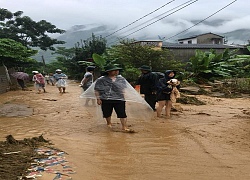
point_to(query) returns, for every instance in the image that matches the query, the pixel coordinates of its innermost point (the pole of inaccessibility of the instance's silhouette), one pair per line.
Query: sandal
(128, 130)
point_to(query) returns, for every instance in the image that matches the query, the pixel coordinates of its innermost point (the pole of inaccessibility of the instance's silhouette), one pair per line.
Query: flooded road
(201, 142)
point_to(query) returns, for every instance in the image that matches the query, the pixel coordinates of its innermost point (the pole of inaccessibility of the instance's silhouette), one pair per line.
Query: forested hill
(79, 33)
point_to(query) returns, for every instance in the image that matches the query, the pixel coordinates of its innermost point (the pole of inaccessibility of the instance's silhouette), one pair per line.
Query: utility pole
(44, 65)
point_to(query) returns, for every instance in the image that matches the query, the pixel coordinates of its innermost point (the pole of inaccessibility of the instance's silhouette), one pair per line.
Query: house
(185, 48)
(184, 52)
(156, 44)
(207, 38)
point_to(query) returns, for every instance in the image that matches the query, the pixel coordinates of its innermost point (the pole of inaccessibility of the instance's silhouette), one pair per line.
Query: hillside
(78, 33)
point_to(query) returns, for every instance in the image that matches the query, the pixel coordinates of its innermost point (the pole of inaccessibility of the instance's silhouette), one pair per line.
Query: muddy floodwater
(207, 142)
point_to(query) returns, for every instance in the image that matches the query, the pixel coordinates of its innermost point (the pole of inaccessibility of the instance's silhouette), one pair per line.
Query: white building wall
(193, 40)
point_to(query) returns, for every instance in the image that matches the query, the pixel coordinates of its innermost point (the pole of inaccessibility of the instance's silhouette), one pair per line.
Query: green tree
(131, 56)
(78, 58)
(66, 53)
(51, 67)
(64, 61)
(84, 51)
(26, 31)
(86, 48)
(14, 54)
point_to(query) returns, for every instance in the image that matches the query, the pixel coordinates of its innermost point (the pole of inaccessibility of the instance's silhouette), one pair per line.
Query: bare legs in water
(168, 106)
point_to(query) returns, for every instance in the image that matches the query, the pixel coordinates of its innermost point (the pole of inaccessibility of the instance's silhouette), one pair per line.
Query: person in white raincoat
(113, 92)
(87, 81)
(60, 79)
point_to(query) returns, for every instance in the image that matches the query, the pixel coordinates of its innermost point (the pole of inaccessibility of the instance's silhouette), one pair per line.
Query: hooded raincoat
(164, 88)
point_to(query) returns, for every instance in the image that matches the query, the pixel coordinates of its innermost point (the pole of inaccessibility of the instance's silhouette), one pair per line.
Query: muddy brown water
(207, 142)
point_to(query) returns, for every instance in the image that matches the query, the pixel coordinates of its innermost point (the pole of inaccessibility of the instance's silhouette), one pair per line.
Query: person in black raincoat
(148, 82)
(164, 90)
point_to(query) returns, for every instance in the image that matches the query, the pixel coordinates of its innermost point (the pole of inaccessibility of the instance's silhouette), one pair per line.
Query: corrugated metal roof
(148, 40)
(199, 46)
(195, 36)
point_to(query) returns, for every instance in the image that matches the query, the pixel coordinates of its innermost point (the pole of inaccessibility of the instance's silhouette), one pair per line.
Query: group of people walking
(59, 79)
(109, 91)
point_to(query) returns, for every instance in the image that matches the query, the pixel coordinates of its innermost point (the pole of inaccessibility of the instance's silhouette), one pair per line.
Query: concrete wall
(184, 54)
(204, 39)
(193, 40)
(209, 39)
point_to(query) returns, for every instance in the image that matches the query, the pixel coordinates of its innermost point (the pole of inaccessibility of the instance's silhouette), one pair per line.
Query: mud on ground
(209, 141)
(17, 155)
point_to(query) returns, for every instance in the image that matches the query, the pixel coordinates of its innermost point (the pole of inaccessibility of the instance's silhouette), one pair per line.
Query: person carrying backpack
(148, 81)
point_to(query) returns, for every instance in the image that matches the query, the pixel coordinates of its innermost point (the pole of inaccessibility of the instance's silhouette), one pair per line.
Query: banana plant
(99, 62)
(102, 61)
(242, 62)
(206, 65)
(200, 62)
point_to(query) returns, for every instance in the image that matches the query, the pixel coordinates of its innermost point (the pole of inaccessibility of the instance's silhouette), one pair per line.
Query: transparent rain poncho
(61, 80)
(120, 89)
(61, 83)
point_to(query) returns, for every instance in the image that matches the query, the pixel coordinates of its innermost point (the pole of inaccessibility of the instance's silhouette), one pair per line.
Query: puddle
(14, 110)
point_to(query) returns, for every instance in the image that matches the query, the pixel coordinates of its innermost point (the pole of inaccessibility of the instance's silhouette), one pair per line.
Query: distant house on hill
(183, 52)
(207, 38)
(185, 48)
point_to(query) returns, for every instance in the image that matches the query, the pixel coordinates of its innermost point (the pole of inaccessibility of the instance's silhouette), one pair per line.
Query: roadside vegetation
(19, 35)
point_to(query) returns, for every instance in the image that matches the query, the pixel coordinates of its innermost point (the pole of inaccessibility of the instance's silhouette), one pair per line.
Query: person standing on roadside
(148, 82)
(60, 79)
(21, 83)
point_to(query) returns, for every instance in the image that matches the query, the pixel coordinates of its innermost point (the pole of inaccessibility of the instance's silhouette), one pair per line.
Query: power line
(139, 19)
(156, 17)
(202, 20)
(160, 19)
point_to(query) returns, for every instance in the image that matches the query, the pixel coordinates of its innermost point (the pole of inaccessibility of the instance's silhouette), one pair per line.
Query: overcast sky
(119, 13)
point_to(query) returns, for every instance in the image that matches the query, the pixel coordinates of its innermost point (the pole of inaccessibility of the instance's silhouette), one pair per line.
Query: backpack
(159, 75)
